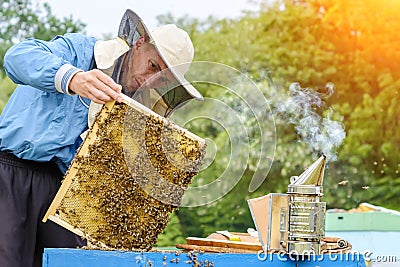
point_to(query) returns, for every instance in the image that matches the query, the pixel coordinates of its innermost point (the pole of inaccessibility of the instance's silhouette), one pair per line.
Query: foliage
(172, 234)
(7, 87)
(371, 150)
(23, 19)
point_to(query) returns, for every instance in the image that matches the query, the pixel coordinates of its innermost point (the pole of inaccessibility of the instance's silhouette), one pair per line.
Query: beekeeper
(42, 123)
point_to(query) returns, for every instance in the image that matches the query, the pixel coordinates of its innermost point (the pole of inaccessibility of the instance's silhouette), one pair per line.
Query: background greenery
(353, 44)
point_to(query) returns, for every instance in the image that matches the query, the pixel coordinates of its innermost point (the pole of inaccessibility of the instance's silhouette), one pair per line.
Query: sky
(103, 17)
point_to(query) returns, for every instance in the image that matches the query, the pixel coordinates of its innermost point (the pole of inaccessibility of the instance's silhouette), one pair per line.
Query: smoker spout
(314, 175)
(310, 181)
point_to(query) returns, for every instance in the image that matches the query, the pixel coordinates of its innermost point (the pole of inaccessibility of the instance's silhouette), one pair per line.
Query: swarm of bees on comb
(128, 176)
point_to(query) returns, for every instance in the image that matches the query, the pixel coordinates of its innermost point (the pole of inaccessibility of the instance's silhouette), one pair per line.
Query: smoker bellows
(128, 176)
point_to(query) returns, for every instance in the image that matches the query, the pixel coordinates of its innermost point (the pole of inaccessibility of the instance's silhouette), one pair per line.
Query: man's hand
(96, 86)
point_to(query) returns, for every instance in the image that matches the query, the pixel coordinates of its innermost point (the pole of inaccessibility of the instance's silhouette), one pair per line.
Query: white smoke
(301, 108)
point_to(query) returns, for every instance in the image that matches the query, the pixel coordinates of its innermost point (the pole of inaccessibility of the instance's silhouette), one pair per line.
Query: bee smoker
(293, 222)
(306, 210)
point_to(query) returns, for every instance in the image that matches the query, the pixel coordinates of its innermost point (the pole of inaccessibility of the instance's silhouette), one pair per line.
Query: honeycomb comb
(129, 174)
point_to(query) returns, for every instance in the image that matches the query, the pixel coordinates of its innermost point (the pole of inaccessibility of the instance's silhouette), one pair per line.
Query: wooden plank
(66, 225)
(223, 243)
(244, 237)
(215, 249)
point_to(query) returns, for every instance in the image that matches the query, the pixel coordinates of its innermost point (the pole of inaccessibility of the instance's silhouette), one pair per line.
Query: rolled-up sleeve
(49, 65)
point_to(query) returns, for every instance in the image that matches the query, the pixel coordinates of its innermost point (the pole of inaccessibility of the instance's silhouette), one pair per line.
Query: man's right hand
(96, 86)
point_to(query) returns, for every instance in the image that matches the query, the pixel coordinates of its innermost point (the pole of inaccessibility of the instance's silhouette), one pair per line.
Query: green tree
(172, 234)
(371, 163)
(23, 19)
(6, 89)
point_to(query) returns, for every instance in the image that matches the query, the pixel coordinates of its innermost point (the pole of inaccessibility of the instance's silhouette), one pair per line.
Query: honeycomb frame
(129, 174)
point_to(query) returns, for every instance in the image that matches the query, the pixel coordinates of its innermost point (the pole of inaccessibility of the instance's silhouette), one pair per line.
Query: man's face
(143, 68)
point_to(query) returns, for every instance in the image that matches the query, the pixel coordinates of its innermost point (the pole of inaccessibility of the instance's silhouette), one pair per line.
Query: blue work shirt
(40, 123)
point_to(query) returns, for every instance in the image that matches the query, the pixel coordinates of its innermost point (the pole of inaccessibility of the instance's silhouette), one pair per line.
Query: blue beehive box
(96, 258)
(373, 233)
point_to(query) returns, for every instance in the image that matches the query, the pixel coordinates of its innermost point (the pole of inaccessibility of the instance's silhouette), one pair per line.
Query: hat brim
(131, 21)
(178, 76)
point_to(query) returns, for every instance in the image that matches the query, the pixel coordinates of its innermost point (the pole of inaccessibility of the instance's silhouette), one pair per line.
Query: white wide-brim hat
(173, 45)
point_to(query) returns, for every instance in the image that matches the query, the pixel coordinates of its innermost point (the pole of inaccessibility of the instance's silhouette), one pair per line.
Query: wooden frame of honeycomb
(129, 174)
